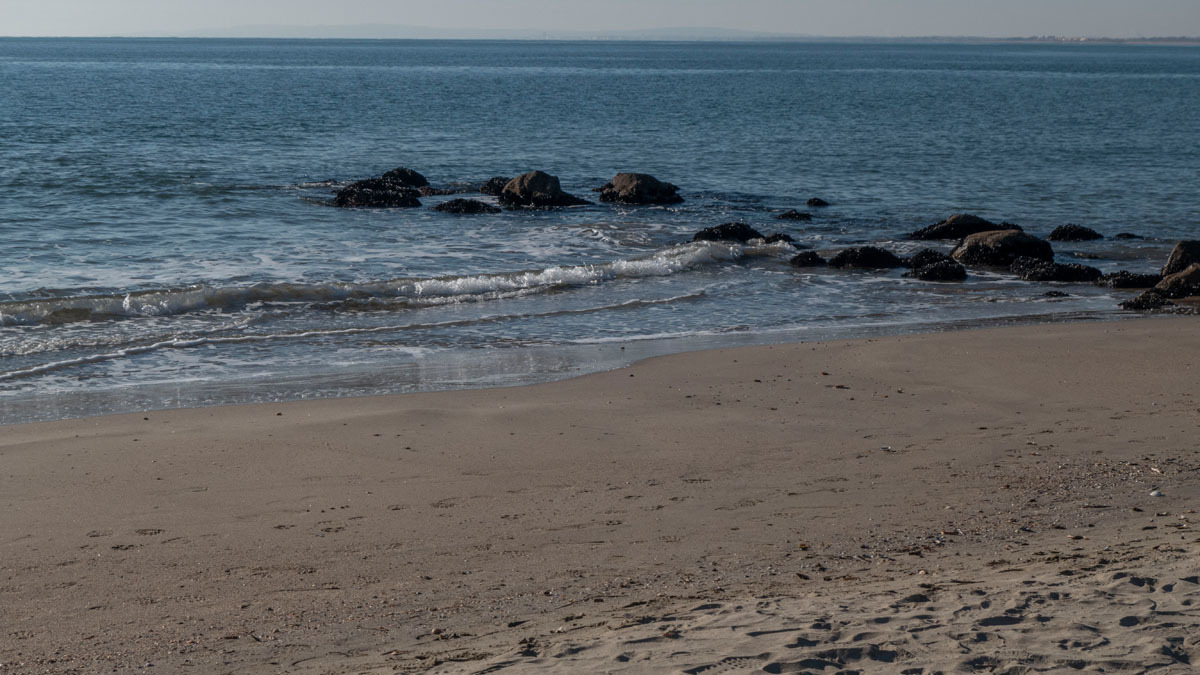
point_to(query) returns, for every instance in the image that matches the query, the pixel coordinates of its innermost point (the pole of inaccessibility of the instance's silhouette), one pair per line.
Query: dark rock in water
(1127, 235)
(958, 226)
(816, 202)
(1000, 248)
(793, 214)
(728, 232)
(494, 185)
(536, 190)
(1181, 284)
(807, 259)
(1185, 254)
(1151, 299)
(429, 191)
(1125, 279)
(1055, 294)
(376, 193)
(779, 236)
(406, 177)
(941, 270)
(1032, 269)
(1071, 232)
(870, 257)
(639, 188)
(926, 257)
(466, 206)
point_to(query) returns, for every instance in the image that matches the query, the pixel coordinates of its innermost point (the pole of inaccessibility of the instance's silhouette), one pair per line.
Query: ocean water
(166, 238)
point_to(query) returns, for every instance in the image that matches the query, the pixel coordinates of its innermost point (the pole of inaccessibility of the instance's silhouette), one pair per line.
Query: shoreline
(689, 510)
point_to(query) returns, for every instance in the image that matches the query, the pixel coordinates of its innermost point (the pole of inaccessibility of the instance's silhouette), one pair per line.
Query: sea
(167, 238)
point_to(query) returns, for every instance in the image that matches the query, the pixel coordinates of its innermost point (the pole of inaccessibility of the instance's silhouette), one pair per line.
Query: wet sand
(1014, 498)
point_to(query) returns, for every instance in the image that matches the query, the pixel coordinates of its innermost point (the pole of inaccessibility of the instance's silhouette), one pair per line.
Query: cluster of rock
(1180, 279)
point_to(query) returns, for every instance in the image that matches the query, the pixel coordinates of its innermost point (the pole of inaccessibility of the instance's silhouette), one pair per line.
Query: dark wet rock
(807, 259)
(1181, 284)
(494, 185)
(793, 214)
(466, 206)
(1000, 248)
(958, 226)
(536, 190)
(779, 236)
(405, 177)
(1032, 269)
(1055, 294)
(1185, 254)
(376, 193)
(1125, 279)
(1071, 232)
(430, 191)
(639, 188)
(941, 270)
(1151, 299)
(816, 202)
(870, 257)
(1127, 235)
(728, 232)
(926, 257)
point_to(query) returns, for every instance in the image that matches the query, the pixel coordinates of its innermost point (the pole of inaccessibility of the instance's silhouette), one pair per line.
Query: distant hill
(402, 32)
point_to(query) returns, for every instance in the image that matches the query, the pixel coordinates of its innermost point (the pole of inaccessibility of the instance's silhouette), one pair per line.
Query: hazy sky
(1117, 18)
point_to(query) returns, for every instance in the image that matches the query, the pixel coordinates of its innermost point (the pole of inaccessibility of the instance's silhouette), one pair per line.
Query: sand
(1004, 500)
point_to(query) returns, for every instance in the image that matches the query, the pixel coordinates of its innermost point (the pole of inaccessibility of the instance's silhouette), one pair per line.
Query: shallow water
(165, 237)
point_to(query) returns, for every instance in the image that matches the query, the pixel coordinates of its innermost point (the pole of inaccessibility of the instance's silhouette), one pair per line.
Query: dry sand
(979, 500)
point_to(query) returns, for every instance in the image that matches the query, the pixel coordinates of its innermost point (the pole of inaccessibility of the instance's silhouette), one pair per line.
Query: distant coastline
(682, 34)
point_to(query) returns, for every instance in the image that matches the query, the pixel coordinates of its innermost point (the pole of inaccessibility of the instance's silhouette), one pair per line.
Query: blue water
(164, 237)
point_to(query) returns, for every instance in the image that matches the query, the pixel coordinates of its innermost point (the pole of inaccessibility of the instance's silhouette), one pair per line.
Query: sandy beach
(1010, 500)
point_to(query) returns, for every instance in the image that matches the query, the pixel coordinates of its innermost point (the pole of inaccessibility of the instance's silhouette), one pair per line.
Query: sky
(885, 18)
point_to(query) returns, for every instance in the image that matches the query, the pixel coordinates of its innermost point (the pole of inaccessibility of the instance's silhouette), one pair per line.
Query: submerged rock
(958, 226)
(779, 236)
(536, 190)
(816, 202)
(1124, 279)
(740, 232)
(1151, 299)
(1071, 232)
(1185, 254)
(430, 191)
(868, 257)
(1127, 235)
(406, 177)
(793, 214)
(930, 265)
(376, 193)
(466, 206)
(494, 185)
(1000, 248)
(807, 259)
(1032, 269)
(639, 188)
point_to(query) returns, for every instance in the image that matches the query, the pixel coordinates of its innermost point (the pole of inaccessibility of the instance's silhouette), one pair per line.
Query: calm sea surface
(165, 241)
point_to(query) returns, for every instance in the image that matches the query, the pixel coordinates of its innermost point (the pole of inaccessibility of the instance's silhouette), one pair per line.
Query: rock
(807, 259)
(870, 257)
(376, 193)
(1185, 254)
(494, 185)
(466, 206)
(779, 236)
(1074, 233)
(1127, 235)
(1125, 279)
(406, 177)
(793, 214)
(536, 190)
(926, 257)
(728, 232)
(1151, 299)
(1181, 284)
(1032, 269)
(1000, 247)
(958, 226)
(429, 191)
(942, 270)
(639, 188)
(1055, 294)
(817, 202)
